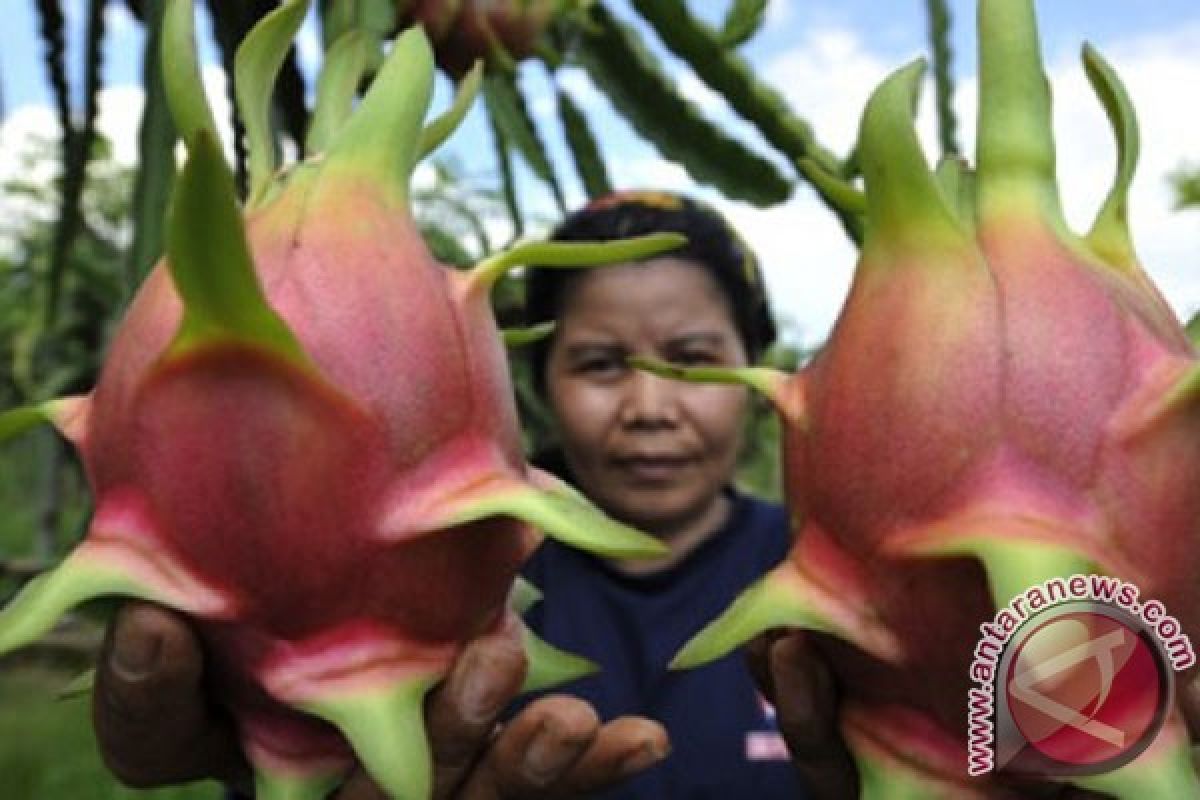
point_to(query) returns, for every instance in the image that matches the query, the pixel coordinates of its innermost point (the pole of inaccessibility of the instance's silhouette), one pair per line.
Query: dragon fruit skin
(1000, 402)
(304, 432)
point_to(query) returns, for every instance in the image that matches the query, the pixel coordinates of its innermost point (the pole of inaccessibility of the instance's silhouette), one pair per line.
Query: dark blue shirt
(725, 744)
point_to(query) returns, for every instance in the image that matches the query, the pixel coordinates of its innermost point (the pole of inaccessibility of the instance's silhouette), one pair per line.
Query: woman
(660, 455)
(654, 453)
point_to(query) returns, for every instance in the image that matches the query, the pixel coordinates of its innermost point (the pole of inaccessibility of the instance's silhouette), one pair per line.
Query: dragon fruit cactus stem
(1001, 401)
(304, 433)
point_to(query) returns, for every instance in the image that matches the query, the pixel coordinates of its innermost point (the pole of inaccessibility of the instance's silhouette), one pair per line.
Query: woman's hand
(797, 681)
(155, 726)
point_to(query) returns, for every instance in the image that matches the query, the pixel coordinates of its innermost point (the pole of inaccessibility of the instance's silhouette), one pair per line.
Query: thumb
(153, 722)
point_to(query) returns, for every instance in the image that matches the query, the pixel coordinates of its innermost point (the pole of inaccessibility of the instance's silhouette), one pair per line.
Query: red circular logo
(1086, 689)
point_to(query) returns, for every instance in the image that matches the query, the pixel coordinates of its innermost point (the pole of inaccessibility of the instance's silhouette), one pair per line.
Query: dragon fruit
(1001, 401)
(464, 31)
(304, 433)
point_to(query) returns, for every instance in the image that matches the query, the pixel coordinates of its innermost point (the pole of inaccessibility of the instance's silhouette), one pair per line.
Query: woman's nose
(650, 401)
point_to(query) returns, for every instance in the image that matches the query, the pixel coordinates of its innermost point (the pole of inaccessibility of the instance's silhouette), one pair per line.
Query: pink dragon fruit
(304, 433)
(1001, 401)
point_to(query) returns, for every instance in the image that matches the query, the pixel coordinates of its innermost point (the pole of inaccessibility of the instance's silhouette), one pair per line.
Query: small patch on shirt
(766, 746)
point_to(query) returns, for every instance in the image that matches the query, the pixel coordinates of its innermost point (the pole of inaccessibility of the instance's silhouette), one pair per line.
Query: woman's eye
(694, 358)
(594, 366)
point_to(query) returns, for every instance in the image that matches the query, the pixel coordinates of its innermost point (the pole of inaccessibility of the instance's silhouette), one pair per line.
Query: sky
(825, 57)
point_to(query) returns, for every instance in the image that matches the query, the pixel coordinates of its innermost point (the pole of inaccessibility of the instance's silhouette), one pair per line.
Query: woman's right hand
(155, 725)
(798, 682)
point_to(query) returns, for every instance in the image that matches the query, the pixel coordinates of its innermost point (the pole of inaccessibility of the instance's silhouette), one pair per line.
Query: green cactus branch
(76, 142)
(506, 105)
(943, 75)
(635, 83)
(156, 149)
(508, 184)
(585, 152)
(742, 21)
(51, 26)
(729, 74)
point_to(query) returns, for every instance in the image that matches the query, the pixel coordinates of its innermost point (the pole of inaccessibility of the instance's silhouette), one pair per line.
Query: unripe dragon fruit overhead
(465, 31)
(304, 432)
(1001, 401)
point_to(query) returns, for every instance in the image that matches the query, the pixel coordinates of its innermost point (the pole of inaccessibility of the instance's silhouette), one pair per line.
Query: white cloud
(779, 13)
(119, 21)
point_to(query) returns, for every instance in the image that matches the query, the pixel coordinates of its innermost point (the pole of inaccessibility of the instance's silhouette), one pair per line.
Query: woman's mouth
(653, 468)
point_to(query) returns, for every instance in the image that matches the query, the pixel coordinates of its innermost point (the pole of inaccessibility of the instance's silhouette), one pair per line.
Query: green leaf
(585, 152)
(156, 151)
(508, 184)
(506, 106)
(341, 73)
(256, 67)
(211, 265)
(630, 75)
(743, 20)
(16, 421)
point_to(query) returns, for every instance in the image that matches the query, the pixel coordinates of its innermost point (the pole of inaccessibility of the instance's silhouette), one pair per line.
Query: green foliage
(585, 151)
(506, 106)
(639, 87)
(1186, 182)
(939, 40)
(742, 21)
(41, 488)
(48, 750)
(41, 358)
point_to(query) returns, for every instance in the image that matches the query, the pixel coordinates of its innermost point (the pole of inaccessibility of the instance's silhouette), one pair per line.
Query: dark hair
(712, 244)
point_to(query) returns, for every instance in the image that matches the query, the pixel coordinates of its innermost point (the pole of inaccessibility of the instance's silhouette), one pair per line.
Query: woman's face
(650, 451)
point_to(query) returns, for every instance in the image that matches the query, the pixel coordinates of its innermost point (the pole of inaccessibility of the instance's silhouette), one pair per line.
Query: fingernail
(135, 656)
(641, 759)
(546, 757)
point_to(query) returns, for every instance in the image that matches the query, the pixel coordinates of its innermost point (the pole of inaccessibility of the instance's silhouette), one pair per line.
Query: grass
(48, 751)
